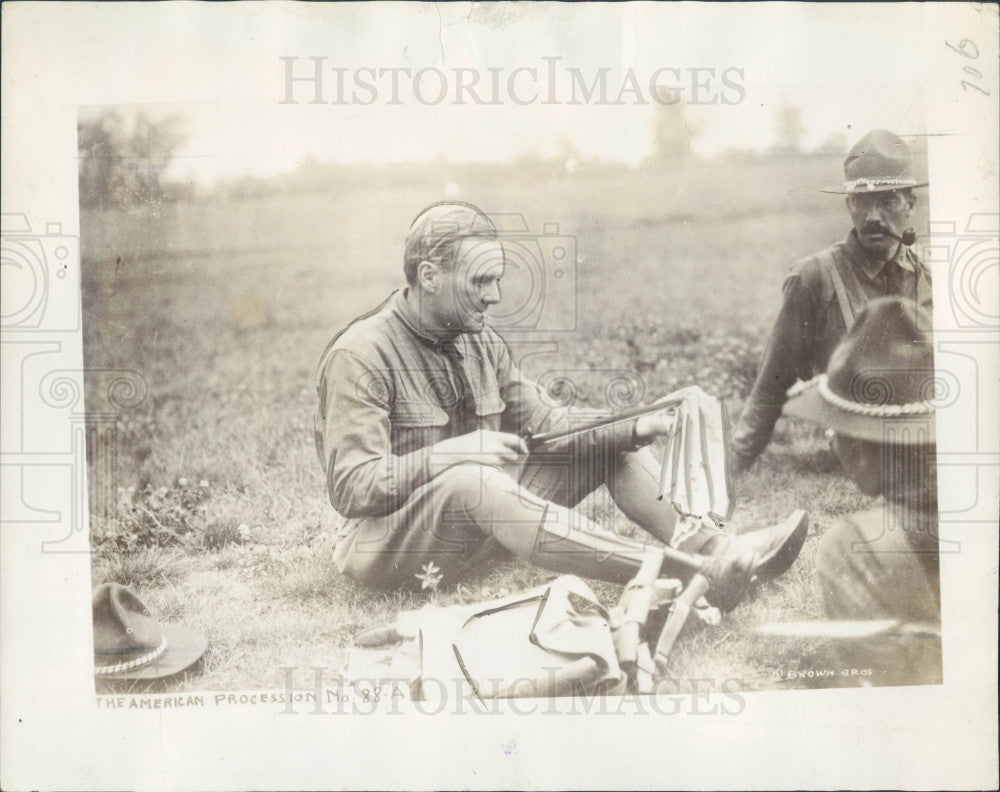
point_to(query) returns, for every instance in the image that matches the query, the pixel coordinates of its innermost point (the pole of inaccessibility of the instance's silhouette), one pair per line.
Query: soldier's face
(873, 213)
(472, 285)
(861, 461)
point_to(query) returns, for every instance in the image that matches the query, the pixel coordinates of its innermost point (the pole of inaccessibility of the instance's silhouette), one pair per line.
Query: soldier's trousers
(873, 566)
(470, 514)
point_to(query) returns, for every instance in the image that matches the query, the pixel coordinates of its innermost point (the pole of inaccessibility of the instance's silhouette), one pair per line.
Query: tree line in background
(124, 164)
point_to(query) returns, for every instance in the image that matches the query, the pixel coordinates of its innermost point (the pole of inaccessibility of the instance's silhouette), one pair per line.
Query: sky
(773, 56)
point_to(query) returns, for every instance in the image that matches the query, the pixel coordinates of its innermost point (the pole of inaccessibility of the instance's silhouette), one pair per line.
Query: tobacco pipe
(908, 238)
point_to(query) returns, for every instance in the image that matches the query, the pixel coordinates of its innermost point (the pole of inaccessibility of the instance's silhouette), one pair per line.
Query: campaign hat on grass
(130, 644)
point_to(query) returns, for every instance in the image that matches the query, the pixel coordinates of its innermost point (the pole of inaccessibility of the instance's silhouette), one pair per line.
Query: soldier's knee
(847, 572)
(468, 482)
(832, 553)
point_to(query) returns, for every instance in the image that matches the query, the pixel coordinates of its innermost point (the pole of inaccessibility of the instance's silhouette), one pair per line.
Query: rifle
(849, 630)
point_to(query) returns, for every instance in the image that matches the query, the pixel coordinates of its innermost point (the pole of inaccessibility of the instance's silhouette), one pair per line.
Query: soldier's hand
(649, 426)
(482, 447)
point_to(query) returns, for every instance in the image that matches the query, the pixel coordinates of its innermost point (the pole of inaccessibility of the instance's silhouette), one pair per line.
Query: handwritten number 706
(968, 49)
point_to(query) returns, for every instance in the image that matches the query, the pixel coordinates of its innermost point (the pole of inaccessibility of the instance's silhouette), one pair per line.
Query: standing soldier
(824, 292)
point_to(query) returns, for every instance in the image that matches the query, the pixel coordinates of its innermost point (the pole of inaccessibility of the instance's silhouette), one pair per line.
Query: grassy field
(222, 520)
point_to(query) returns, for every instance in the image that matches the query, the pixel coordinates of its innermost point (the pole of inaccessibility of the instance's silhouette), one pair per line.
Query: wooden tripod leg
(681, 607)
(637, 599)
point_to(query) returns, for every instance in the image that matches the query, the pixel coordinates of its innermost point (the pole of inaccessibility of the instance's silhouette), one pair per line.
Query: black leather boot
(765, 554)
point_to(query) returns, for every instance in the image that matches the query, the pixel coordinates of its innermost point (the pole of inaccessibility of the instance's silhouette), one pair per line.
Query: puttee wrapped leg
(562, 540)
(588, 551)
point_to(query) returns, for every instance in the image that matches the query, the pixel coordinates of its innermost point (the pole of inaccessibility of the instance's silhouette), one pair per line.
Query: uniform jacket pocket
(415, 425)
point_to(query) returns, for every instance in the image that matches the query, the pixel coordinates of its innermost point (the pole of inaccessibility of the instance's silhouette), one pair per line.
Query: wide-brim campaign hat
(129, 643)
(880, 383)
(879, 162)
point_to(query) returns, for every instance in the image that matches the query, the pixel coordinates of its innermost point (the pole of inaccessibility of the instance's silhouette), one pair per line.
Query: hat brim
(810, 405)
(877, 189)
(185, 647)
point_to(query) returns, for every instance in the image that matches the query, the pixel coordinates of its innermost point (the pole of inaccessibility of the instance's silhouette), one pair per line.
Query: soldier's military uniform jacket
(388, 392)
(822, 293)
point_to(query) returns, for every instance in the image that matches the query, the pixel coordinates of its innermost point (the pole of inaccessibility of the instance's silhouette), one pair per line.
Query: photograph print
(575, 375)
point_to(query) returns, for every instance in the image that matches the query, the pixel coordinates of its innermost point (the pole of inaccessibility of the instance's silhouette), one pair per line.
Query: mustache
(908, 237)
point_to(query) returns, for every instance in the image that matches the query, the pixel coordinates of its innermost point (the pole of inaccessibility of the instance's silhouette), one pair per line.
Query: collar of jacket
(872, 269)
(402, 308)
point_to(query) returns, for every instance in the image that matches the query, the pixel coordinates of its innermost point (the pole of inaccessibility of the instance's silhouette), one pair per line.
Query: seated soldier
(421, 417)
(824, 292)
(882, 564)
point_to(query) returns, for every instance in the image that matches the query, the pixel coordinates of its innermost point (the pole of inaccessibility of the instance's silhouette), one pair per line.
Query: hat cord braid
(877, 182)
(874, 410)
(149, 657)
